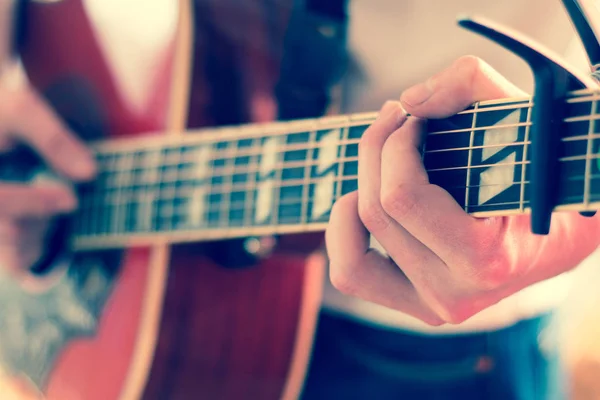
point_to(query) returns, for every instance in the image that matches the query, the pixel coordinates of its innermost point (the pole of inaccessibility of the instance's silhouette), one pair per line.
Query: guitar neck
(284, 177)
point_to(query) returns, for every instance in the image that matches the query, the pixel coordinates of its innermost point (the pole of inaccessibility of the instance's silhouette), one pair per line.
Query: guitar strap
(315, 58)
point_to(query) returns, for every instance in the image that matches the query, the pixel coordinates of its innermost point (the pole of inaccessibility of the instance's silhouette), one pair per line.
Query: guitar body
(160, 322)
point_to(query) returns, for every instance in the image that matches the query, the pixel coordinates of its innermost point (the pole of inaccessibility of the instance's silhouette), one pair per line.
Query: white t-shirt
(397, 43)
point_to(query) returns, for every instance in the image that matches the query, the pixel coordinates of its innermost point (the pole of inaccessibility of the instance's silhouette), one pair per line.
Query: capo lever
(583, 26)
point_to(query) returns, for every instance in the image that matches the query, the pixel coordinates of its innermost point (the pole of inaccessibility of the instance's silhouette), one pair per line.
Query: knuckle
(492, 271)
(343, 279)
(398, 201)
(491, 266)
(367, 141)
(53, 142)
(373, 216)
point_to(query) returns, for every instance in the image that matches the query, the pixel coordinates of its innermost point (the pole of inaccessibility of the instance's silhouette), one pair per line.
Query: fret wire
(343, 150)
(339, 162)
(158, 214)
(308, 163)
(112, 209)
(148, 198)
(250, 190)
(470, 157)
(588, 161)
(199, 206)
(228, 183)
(114, 217)
(524, 159)
(277, 177)
(127, 166)
(168, 212)
(179, 218)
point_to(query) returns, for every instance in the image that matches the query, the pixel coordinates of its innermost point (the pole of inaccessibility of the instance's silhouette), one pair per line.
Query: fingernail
(417, 94)
(392, 109)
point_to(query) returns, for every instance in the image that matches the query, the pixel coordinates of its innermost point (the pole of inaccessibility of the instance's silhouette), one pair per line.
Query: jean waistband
(398, 344)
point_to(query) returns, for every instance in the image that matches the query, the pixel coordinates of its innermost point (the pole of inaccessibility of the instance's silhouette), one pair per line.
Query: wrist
(571, 240)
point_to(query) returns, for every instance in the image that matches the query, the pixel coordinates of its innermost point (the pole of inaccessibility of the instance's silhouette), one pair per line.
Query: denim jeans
(356, 361)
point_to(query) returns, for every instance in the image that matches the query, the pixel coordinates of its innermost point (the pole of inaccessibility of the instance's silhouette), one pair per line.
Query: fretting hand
(444, 265)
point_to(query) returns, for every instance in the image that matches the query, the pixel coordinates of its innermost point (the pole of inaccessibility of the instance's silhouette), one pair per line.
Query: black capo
(553, 79)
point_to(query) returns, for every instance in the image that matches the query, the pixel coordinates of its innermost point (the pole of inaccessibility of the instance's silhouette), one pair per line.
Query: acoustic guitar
(151, 307)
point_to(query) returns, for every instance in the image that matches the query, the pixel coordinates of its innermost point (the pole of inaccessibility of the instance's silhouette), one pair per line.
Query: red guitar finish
(175, 326)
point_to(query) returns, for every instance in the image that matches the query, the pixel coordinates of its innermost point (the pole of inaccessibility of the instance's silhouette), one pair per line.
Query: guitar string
(301, 183)
(302, 145)
(291, 182)
(233, 170)
(286, 150)
(226, 221)
(278, 128)
(337, 163)
(341, 161)
(249, 209)
(286, 199)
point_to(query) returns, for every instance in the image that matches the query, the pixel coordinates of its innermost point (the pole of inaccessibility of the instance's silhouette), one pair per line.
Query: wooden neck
(284, 177)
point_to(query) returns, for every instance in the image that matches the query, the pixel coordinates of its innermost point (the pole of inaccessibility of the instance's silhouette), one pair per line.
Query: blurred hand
(26, 210)
(444, 265)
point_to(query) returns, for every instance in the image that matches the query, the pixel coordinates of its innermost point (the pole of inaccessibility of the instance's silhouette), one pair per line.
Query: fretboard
(285, 177)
